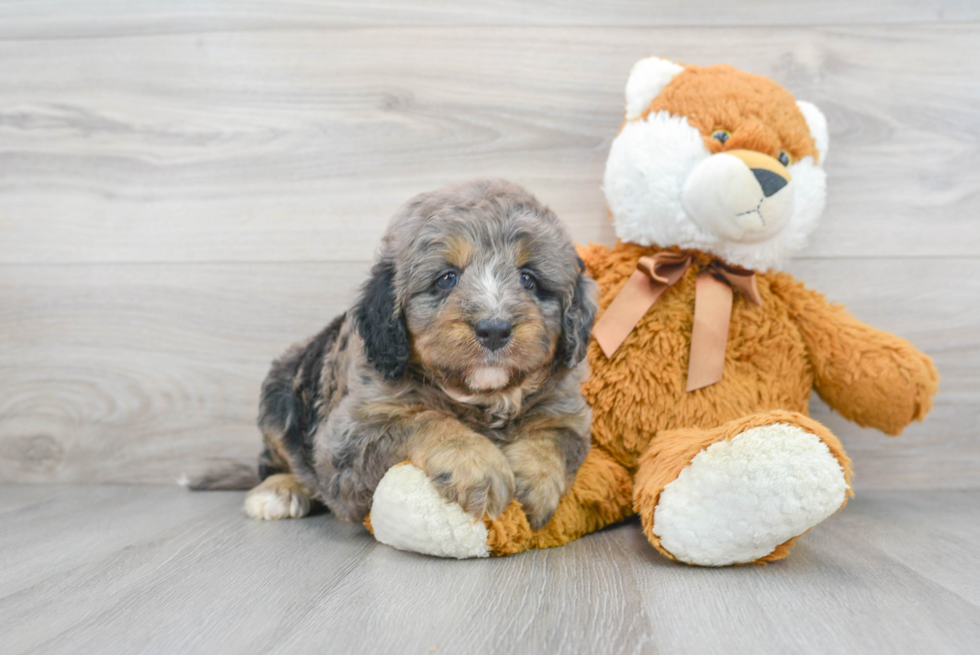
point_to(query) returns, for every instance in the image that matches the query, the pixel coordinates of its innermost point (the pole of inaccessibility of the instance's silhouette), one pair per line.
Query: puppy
(463, 354)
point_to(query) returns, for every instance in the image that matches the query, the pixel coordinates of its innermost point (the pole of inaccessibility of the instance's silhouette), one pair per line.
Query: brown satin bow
(712, 309)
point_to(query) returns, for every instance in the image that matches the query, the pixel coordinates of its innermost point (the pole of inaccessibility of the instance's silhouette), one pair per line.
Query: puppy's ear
(577, 318)
(380, 322)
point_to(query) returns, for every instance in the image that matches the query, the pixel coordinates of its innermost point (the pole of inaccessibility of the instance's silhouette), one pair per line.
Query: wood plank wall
(187, 187)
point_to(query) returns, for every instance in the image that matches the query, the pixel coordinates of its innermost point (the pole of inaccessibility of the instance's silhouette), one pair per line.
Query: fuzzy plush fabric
(652, 159)
(647, 79)
(751, 486)
(409, 514)
(734, 472)
(646, 425)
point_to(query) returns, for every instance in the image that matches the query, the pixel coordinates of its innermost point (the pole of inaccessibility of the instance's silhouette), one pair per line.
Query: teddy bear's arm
(871, 377)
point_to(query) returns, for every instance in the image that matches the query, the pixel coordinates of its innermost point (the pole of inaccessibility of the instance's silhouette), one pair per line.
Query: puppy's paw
(280, 496)
(540, 478)
(539, 499)
(473, 473)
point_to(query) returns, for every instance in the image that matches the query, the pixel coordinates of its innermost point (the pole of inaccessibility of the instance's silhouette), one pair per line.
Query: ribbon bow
(714, 294)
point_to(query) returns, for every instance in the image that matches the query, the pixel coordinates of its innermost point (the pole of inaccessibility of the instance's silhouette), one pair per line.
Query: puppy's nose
(492, 334)
(769, 181)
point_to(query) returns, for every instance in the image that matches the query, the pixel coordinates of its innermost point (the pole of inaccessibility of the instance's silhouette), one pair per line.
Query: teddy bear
(704, 354)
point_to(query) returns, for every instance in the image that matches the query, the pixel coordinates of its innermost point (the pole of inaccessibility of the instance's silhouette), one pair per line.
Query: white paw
(408, 513)
(738, 500)
(269, 504)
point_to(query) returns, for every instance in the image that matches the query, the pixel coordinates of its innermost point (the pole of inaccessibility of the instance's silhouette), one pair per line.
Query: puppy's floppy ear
(577, 318)
(380, 322)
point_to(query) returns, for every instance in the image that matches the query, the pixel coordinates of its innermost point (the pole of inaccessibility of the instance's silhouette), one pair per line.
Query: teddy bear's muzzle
(739, 195)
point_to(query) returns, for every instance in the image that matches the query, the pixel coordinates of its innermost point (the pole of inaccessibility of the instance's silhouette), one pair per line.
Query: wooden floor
(117, 569)
(189, 186)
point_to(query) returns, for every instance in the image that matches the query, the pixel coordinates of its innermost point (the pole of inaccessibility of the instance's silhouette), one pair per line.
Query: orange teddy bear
(704, 357)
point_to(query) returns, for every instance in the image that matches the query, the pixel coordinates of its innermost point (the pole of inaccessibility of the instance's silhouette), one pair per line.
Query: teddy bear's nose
(769, 181)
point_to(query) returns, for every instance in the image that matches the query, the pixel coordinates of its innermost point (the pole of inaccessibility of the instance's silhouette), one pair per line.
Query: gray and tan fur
(463, 354)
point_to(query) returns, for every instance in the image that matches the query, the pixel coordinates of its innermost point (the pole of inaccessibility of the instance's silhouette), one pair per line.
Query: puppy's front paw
(539, 498)
(473, 473)
(540, 477)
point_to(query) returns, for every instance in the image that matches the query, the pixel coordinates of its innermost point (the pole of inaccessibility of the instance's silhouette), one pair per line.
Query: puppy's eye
(784, 158)
(527, 280)
(447, 280)
(721, 136)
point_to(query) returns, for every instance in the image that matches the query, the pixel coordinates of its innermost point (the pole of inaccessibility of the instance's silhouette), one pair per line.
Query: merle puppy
(463, 354)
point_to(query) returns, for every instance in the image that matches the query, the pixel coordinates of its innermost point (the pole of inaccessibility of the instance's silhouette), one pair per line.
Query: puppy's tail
(233, 476)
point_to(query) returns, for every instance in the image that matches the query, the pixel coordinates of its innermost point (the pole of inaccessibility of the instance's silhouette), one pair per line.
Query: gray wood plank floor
(29, 19)
(298, 145)
(113, 569)
(156, 374)
(186, 188)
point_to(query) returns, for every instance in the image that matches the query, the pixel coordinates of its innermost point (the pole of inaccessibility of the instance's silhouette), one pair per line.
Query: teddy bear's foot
(408, 513)
(740, 499)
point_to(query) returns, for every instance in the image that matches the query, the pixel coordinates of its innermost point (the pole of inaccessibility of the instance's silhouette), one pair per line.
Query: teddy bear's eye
(784, 158)
(721, 136)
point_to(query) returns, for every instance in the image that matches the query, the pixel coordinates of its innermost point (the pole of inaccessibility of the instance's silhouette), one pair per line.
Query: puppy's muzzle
(739, 195)
(493, 334)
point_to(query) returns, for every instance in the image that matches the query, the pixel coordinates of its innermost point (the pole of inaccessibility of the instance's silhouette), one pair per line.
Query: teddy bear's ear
(647, 79)
(817, 123)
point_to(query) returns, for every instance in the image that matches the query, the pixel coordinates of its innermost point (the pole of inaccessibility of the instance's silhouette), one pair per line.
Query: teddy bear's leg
(602, 494)
(741, 492)
(409, 514)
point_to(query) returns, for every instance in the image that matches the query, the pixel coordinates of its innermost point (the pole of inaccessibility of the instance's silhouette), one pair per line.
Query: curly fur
(403, 376)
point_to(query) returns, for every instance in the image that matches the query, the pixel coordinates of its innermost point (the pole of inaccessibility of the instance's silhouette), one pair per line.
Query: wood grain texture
(142, 373)
(30, 19)
(188, 187)
(297, 145)
(160, 570)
